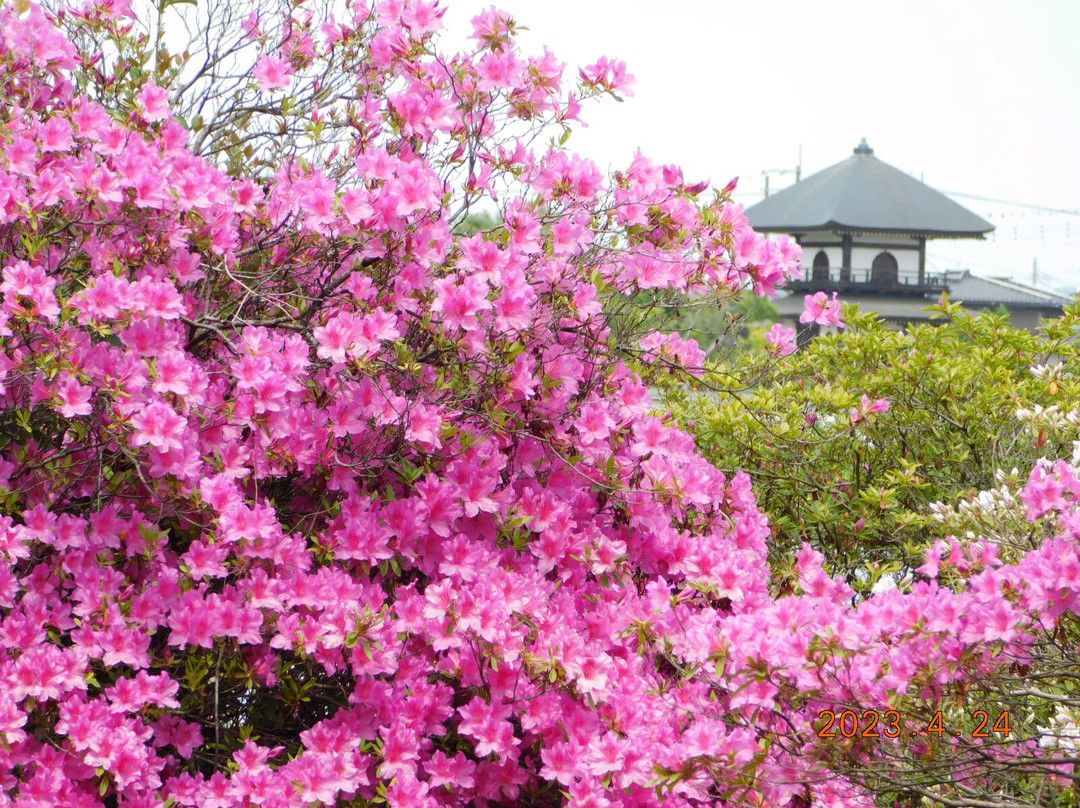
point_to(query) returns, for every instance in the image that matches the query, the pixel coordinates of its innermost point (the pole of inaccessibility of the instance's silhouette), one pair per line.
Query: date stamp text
(891, 724)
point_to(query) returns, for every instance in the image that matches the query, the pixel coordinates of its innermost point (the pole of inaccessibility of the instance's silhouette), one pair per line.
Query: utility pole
(770, 171)
(1035, 271)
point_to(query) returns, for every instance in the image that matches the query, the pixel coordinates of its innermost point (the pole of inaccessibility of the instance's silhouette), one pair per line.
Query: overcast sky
(975, 97)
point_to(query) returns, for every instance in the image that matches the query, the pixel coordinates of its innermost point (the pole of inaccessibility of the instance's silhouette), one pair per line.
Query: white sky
(979, 97)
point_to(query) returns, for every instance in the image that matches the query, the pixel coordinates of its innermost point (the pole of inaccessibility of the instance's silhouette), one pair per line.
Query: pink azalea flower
(595, 422)
(821, 310)
(12, 720)
(1000, 624)
(272, 73)
(250, 26)
(154, 101)
(781, 339)
(56, 135)
(867, 407)
(562, 762)
(609, 75)
(74, 397)
(1043, 493)
(422, 17)
(461, 302)
(159, 426)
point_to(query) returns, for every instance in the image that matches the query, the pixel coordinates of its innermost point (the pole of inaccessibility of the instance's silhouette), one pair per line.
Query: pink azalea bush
(310, 502)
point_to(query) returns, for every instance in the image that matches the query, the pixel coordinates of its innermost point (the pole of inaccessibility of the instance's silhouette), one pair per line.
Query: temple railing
(864, 281)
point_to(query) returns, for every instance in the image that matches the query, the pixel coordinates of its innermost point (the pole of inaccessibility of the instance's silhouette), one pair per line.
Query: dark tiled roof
(978, 291)
(863, 194)
(974, 291)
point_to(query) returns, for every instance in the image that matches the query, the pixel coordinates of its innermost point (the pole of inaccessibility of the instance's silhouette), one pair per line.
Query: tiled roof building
(863, 226)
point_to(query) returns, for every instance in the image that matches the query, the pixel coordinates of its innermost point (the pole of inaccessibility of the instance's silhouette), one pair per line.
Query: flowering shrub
(873, 445)
(858, 483)
(309, 502)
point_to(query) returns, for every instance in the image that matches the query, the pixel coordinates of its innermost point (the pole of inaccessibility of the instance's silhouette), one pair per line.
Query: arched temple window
(885, 270)
(821, 267)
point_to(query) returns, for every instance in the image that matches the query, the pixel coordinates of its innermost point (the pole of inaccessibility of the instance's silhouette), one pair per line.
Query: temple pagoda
(864, 225)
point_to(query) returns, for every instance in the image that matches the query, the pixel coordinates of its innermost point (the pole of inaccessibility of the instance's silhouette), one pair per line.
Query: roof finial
(863, 148)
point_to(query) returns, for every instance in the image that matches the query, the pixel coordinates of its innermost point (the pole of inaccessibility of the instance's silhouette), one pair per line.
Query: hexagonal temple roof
(865, 195)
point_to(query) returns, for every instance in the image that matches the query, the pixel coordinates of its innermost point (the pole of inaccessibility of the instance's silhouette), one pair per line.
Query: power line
(1014, 204)
(951, 255)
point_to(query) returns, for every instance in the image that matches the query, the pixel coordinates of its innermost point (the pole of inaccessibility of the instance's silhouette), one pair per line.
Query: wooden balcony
(862, 281)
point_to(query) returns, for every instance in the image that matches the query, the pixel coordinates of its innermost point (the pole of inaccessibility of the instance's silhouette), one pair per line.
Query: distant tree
(754, 309)
(479, 222)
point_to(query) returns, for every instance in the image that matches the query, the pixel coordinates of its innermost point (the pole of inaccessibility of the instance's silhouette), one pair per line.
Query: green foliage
(860, 490)
(754, 309)
(478, 222)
